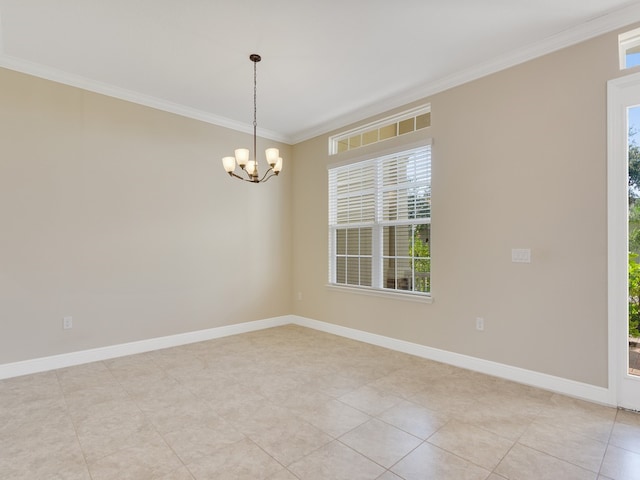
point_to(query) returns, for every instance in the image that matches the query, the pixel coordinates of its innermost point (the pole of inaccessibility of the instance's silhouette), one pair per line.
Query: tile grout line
(73, 423)
(279, 348)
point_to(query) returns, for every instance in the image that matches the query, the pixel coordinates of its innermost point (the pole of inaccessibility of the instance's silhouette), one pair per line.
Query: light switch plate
(521, 255)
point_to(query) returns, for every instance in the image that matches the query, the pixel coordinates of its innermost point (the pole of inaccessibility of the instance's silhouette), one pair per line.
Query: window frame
(377, 287)
(628, 41)
(392, 124)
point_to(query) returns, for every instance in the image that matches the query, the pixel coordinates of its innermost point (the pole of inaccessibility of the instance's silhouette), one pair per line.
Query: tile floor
(292, 403)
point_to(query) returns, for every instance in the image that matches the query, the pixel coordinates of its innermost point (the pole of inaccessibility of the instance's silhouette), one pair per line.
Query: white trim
(627, 41)
(383, 122)
(363, 206)
(621, 92)
(528, 377)
(382, 293)
(566, 38)
(54, 75)
(616, 228)
(1, 37)
(54, 362)
(357, 156)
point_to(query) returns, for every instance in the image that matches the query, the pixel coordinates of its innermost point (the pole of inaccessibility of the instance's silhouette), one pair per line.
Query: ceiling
(325, 63)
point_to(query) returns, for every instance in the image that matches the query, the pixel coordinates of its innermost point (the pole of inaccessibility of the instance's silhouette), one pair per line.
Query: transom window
(405, 122)
(629, 47)
(380, 222)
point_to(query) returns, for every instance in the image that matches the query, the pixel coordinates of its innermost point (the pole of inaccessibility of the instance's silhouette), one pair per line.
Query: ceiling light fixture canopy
(250, 167)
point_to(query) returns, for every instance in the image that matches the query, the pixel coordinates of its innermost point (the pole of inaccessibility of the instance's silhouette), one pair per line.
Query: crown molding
(583, 32)
(1, 37)
(58, 76)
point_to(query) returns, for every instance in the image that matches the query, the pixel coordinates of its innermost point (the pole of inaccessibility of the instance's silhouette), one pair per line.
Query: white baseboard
(564, 386)
(528, 377)
(54, 362)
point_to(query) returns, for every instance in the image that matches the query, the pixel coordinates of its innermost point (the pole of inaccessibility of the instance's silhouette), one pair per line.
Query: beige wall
(122, 217)
(519, 161)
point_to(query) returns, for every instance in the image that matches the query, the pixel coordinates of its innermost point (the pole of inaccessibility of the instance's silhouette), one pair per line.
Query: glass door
(623, 185)
(633, 167)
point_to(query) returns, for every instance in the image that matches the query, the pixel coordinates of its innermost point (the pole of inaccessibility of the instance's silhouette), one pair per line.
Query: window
(380, 222)
(390, 127)
(629, 46)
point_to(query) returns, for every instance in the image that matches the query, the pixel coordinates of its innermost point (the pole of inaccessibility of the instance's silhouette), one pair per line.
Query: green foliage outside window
(634, 296)
(634, 236)
(420, 252)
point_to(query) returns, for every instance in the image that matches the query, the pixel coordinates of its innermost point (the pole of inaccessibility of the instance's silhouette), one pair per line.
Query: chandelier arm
(273, 174)
(267, 173)
(238, 177)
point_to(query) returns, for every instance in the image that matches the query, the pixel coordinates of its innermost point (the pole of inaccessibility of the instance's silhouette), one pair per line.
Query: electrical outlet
(480, 324)
(299, 296)
(67, 323)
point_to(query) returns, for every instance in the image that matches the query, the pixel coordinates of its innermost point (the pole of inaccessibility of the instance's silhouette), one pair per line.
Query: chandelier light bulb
(229, 164)
(242, 156)
(272, 155)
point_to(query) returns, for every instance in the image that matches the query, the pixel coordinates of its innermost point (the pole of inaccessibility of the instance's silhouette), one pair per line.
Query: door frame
(620, 92)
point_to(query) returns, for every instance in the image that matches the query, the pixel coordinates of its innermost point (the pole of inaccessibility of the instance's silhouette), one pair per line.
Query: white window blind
(379, 222)
(355, 191)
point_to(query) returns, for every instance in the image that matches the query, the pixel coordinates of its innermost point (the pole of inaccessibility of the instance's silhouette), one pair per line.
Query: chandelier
(250, 167)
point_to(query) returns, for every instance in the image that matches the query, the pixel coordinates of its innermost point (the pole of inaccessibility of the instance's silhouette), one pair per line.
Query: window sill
(375, 292)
